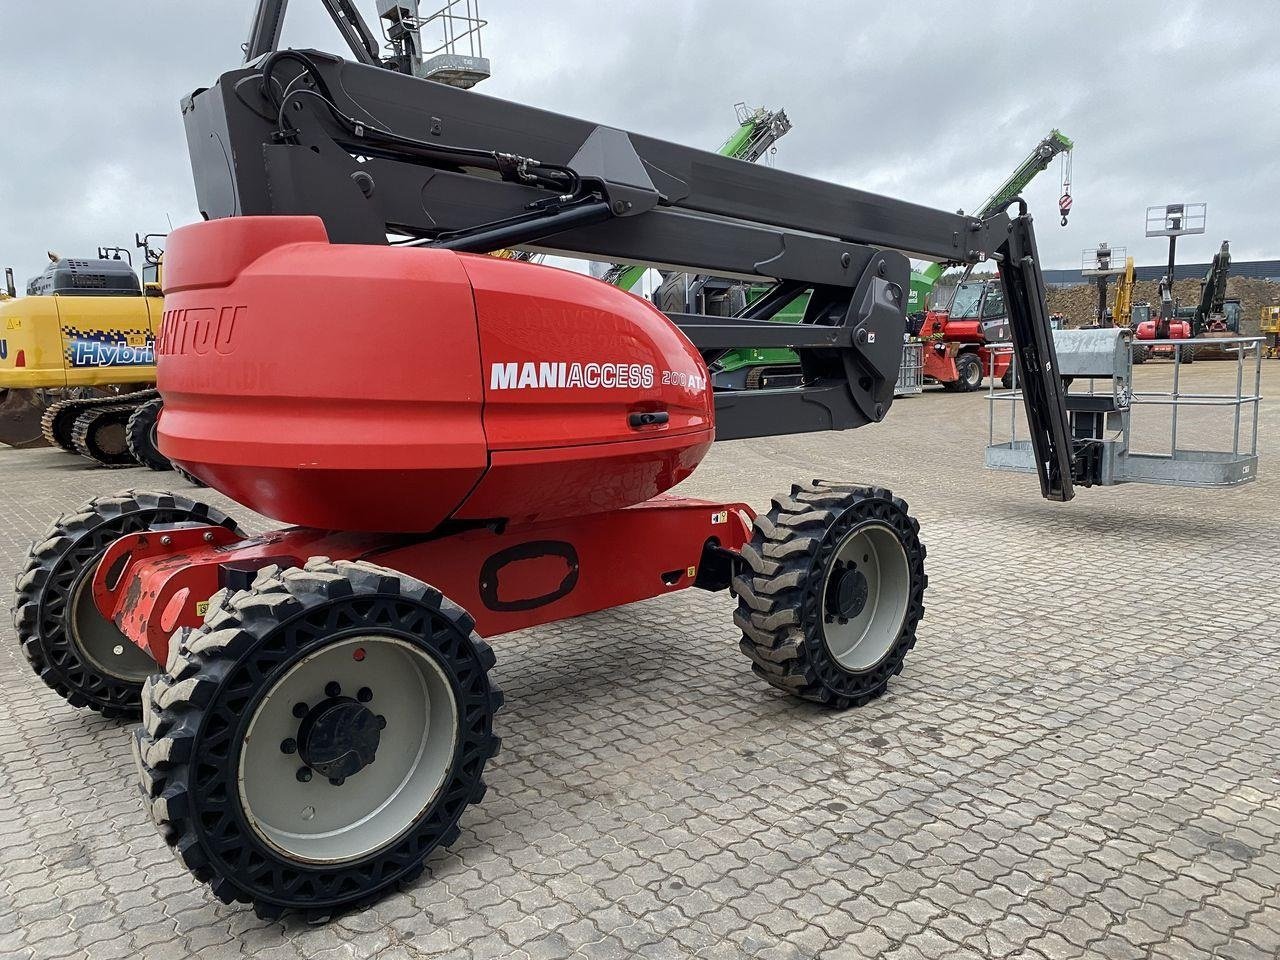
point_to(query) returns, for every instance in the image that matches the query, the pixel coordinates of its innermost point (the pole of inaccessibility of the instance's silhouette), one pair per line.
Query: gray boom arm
(374, 152)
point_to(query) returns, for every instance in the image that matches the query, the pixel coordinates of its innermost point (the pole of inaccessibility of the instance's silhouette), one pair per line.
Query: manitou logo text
(200, 330)
(591, 376)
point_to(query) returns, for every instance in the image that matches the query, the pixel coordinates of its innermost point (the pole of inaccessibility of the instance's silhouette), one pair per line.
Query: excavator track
(762, 378)
(59, 420)
(99, 435)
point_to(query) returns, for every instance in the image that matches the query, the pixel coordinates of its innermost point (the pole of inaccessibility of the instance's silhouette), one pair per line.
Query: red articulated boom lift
(467, 445)
(1172, 220)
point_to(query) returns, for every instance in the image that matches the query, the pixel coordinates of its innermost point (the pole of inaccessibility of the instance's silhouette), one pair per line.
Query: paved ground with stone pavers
(1080, 759)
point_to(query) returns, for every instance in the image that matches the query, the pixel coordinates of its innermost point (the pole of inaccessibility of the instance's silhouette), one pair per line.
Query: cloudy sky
(930, 102)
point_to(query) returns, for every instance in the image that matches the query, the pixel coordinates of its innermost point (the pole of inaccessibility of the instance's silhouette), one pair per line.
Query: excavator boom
(757, 132)
(1213, 289)
(1124, 295)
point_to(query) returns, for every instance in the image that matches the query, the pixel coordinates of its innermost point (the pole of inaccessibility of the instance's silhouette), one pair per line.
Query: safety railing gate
(911, 370)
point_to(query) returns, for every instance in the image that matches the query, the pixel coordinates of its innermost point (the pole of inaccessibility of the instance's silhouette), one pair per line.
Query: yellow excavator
(1120, 314)
(1270, 326)
(77, 357)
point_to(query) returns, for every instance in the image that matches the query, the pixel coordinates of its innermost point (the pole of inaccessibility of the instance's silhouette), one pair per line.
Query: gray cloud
(932, 102)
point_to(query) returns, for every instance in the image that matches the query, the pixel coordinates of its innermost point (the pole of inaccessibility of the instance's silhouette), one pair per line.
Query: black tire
(1006, 379)
(50, 596)
(193, 747)
(1141, 354)
(194, 481)
(968, 374)
(1187, 354)
(99, 435)
(140, 435)
(792, 561)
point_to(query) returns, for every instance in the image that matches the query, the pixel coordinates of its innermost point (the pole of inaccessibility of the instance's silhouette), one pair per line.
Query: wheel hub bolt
(364, 695)
(338, 738)
(304, 774)
(382, 721)
(289, 745)
(333, 689)
(300, 710)
(847, 591)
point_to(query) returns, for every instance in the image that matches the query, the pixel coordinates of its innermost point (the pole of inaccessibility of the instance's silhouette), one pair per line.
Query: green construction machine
(758, 367)
(1036, 162)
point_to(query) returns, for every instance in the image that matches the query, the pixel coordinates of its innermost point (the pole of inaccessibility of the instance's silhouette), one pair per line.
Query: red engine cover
(383, 389)
(1178, 330)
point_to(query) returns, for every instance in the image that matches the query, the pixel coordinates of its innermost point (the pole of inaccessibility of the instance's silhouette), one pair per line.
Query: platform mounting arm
(268, 22)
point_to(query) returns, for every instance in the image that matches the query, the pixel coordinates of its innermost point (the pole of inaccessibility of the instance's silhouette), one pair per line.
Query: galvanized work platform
(1080, 759)
(1108, 407)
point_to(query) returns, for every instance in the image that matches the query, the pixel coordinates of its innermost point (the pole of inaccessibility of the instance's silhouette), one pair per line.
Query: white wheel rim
(100, 641)
(873, 551)
(316, 821)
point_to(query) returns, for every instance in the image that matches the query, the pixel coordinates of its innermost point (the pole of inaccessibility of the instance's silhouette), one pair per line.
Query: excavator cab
(152, 267)
(1232, 311)
(151, 280)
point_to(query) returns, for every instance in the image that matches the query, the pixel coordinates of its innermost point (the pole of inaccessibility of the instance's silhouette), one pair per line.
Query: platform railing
(1115, 394)
(1241, 349)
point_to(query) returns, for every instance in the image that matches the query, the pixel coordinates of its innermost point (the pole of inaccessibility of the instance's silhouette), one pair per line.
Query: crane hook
(1064, 201)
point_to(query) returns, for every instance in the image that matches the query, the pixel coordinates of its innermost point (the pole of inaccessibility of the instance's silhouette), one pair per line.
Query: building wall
(1257, 269)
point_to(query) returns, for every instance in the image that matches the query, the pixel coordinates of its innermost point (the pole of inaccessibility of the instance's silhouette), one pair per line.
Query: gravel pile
(1079, 302)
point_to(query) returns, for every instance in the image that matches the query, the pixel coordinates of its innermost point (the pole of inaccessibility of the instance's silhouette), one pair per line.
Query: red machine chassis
(153, 583)
(940, 360)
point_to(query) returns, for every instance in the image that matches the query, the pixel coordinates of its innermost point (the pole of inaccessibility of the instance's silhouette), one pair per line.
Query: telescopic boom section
(758, 130)
(268, 21)
(378, 154)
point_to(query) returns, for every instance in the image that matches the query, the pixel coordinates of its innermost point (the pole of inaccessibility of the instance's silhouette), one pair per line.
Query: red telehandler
(956, 338)
(461, 445)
